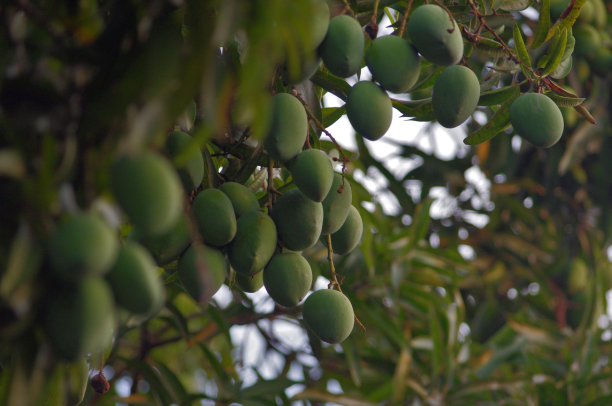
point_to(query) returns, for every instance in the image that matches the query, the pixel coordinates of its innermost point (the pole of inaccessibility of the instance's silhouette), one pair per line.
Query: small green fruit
(537, 118)
(588, 41)
(250, 283)
(287, 278)
(149, 191)
(394, 63)
(329, 314)
(348, 236)
(192, 171)
(313, 173)
(369, 110)
(134, 281)
(342, 49)
(214, 213)
(243, 200)
(254, 244)
(336, 205)
(288, 129)
(167, 247)
(81, 245)
(455, 95)
(298, 220)
(428, 27)
(80, 319)
(202, 271)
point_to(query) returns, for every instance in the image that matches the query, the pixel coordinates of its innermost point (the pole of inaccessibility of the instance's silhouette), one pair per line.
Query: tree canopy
(152, 164)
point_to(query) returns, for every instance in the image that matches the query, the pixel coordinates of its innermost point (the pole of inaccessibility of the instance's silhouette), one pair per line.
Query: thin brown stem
(404, 19)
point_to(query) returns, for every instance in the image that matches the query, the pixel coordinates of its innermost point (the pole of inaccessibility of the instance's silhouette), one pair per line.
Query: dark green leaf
(499, 122)
(543, 25)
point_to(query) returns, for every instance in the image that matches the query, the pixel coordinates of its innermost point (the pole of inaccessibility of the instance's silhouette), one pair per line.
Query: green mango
(369, 110)
(336, 205)
(167, 247)
(536, 118)
(313, 173)
(250, 283)
(214, 214)
(343, 46)
(588, 41)
(254, 244)
(303, 69)
(348, 236)
(82, 244)
(288, 129)
(455, 95)
(298, 220)
(202, 271)
(243, 200)
(394, 63)
(287, 278)
(428, 27)
(134, 280)
(318, 21)
(329, 315)
(192, 172)
(79, 319)
(149, 191)
(602, 63)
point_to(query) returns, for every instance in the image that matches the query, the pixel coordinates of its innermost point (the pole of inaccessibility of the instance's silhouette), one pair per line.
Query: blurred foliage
(509, 310)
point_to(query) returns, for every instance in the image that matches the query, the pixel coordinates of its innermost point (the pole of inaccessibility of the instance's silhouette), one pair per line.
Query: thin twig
(404, 19)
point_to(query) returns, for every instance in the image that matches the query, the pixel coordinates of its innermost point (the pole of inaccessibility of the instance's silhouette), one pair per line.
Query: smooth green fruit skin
(369, 110)
(336, 205)
(394, 63)
(537, 118)
(80, 319)
(298, 220)
(313, 173)
(134, 281)
(192, 172)
(149, 191)
(81, 245)
(287, 278)
(343, 46)
(250, 283)
(319, 22)
(202, 271)
(428, 28)
(348, 236)
(167, 247)
(588, 41)
(329, 314)
(76, 378)
(455, 95)
(254, 244)
(214, 214)
(288, 129)
(243, 200)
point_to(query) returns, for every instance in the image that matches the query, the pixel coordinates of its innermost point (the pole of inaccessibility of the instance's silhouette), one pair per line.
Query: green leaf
(420, 222)
(557, 53)
(352, 359)
(499, 356)
(421, 112)
(158, 388)
(331, 83)
(265, 388)
(499, 122)
(490, 47)
(562, 101)
(521, 51)
(172, 382)
(497, 96)
(332, 114)
(437, 337)
(514, 5)
(543, 25)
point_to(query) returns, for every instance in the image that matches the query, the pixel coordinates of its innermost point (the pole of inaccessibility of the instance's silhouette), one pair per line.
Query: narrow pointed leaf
(557, 54)
(543, 25)
(499, 122)
(521, 51)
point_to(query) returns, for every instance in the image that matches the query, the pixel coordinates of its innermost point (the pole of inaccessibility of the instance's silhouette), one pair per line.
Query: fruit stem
(404, 19)
(332, 268)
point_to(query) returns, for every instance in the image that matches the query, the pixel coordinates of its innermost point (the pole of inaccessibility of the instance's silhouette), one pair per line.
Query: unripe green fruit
(587, 13)
(455, 95)
(318, 22)
(287, 278)
(80, 319)
(192, 172)
(254, 244)
(250, 283)
(588, 41)
(149, 191)
(134, 281)
(243, 200)
(336, 205)
(313, 173)
(81, 245)
(369, 110)
(600, 13)
(76, 377)
(343, 46)
(602, 63)
(289, 128)
(329, 314)
(537, 118)
(215, 216)
(394, 63)
(348, 236)
(303, 70)
(167, 247)
(298, 220)
(428, 28)
(202, 271)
